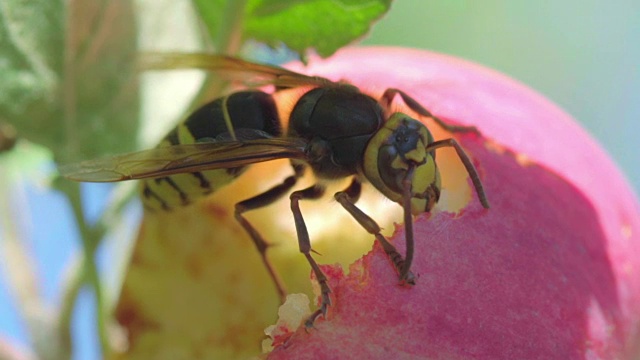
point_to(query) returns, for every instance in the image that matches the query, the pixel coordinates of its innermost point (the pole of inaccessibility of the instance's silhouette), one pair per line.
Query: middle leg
(262, 200)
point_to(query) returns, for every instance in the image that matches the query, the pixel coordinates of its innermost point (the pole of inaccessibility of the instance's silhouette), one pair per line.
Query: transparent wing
(184, 158)
(231, 67)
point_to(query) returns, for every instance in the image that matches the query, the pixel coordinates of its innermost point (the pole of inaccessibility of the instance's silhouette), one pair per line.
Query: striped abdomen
(254, 111)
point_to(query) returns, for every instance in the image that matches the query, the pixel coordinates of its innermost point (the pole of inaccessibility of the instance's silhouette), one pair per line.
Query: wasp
(333, 129)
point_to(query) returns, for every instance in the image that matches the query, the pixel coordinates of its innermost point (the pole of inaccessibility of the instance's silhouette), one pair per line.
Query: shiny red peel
(551, 271)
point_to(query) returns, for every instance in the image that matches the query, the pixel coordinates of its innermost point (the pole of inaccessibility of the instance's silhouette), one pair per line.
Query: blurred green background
(584, 55)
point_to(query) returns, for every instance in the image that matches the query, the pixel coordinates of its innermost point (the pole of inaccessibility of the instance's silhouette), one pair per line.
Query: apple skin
(551, 271)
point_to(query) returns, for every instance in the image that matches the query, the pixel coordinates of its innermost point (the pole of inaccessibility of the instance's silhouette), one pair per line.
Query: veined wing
(227, 66)
(184, 158)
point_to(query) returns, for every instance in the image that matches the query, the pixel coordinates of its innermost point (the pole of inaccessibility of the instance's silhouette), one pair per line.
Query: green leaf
(324, 25)
(69, 80)
(29, 36)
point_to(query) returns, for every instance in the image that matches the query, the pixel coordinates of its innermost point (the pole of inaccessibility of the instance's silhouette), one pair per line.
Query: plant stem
(70, 295)
(87, 273)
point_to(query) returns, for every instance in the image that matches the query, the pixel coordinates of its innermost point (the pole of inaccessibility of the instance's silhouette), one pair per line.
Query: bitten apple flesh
(551, 271)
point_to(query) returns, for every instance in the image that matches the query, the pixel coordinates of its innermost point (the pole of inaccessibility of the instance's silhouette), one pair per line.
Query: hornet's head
(397, 163)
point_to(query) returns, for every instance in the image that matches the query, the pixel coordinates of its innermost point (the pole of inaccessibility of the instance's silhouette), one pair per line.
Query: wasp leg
(304, 243)
(256, 202)
(347, 198)
(468, 165)
(414, 105)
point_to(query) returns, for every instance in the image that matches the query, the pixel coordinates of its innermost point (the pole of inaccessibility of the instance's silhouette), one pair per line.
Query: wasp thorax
(401, 143)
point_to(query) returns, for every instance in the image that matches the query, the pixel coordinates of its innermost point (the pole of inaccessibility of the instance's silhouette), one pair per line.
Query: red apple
(551, 271)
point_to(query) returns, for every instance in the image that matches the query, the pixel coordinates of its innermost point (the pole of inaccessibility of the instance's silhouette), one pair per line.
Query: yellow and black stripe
(245, 114)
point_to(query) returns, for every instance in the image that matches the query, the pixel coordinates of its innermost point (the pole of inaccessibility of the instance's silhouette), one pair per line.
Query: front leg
(347, 198)
(414, 105)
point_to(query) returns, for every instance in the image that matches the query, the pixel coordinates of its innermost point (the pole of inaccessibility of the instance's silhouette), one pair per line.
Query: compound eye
(391, 167)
